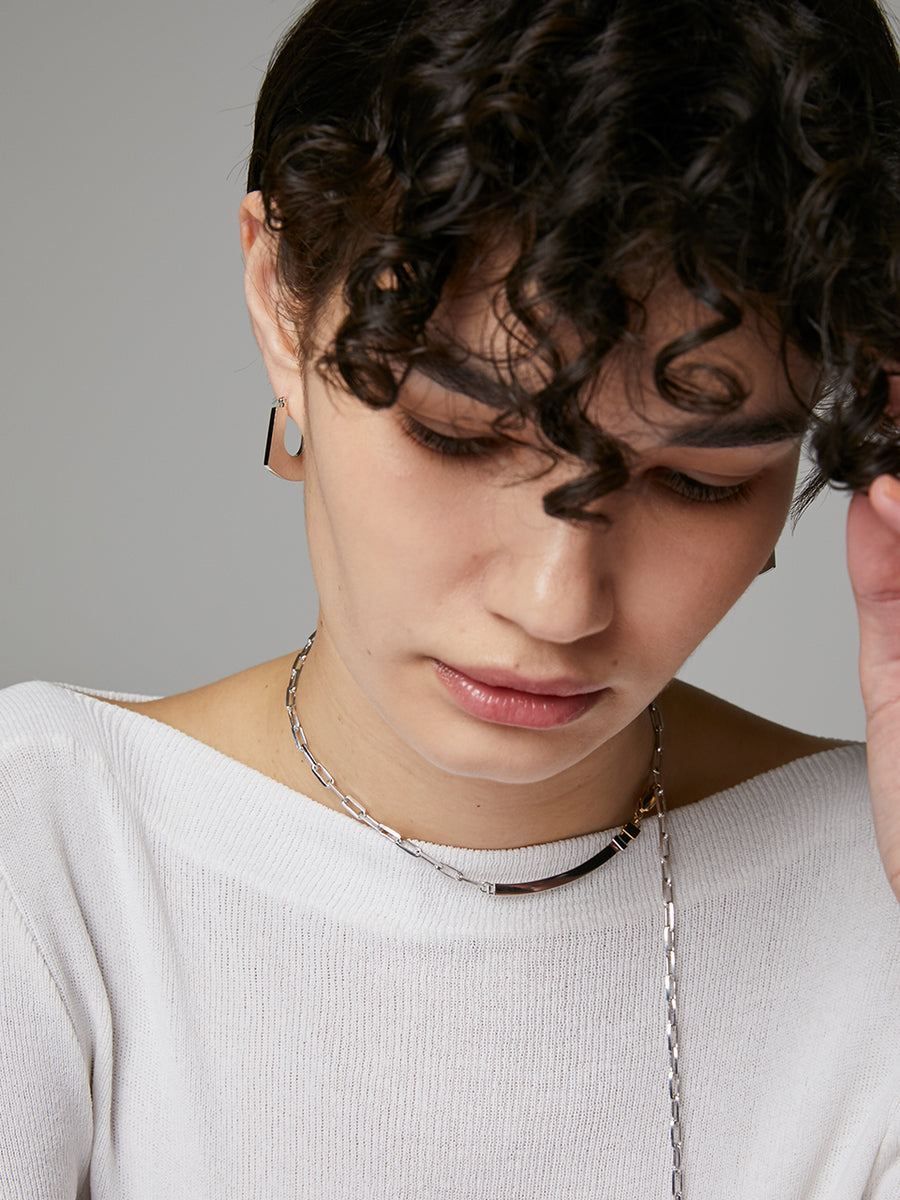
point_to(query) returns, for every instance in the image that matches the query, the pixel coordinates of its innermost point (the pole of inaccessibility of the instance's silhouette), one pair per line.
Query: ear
(275, 339)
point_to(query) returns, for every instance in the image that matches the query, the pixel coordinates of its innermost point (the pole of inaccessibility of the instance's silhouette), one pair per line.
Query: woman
(554, 293)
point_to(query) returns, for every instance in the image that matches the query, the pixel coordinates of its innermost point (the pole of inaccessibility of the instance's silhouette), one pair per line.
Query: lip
(506, 698)
(498, 677)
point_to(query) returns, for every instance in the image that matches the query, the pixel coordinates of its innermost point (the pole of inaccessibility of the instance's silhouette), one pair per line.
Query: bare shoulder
(234, 715)
(712, 744)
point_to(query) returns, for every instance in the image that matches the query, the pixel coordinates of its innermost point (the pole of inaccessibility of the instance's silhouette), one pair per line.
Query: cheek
(734, 538)
(701, 562)
(386, 538)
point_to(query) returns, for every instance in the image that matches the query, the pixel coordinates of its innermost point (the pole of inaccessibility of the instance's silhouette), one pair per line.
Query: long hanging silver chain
(675, 1129)
(358, 812)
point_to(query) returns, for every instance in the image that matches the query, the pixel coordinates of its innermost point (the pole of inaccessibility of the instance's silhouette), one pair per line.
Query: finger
(873, 559)
(873, 552)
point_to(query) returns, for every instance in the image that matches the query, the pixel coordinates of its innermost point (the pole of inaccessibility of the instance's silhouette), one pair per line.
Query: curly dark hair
(750, 146)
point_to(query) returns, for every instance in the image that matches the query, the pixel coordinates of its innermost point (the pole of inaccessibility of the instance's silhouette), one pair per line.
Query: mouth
(505, 698)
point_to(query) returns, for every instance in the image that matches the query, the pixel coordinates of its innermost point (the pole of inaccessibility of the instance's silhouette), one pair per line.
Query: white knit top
(213, 986)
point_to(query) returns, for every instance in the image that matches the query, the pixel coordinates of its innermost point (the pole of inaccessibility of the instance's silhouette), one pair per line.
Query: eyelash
(695, 492)
(448, 447)
(685, 487)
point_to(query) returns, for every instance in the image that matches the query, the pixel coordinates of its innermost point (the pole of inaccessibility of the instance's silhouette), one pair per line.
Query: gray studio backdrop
(142, 546)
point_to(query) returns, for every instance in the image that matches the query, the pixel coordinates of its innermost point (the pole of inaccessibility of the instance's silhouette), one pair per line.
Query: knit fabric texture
(214, 986)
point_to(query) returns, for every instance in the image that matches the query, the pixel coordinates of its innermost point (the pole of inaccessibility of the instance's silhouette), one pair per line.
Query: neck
(402, 788)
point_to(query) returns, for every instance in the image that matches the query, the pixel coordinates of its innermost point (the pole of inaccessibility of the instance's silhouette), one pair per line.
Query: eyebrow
(752, 431)
(718, 433)
(465, 380)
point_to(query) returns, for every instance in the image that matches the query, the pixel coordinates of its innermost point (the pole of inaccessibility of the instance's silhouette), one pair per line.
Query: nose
(552, 578)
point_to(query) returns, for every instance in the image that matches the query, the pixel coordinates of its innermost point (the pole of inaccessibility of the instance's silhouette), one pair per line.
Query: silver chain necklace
(654, 797)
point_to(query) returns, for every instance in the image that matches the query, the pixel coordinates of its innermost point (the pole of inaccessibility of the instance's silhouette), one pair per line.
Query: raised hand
(873, 558)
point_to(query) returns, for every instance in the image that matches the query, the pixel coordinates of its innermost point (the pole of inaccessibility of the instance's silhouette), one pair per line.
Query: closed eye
(694, 491)
(449, 447)
(677, 484)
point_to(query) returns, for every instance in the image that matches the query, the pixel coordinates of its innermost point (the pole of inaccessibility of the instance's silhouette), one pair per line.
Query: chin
(523, 759)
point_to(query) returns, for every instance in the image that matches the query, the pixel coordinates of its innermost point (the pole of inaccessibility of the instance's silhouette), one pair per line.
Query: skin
(419, 558)
(873, 557)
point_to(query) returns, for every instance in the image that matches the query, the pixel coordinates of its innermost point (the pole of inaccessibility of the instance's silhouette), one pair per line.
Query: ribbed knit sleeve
(45, 1097)
(884, 1182)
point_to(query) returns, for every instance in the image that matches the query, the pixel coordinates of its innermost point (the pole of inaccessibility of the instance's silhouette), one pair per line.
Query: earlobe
(277, 458)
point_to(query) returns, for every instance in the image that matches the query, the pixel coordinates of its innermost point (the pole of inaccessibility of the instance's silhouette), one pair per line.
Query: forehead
(487, 350)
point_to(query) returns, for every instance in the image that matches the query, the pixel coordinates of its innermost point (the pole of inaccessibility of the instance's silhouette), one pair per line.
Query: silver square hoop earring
(277, 459)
